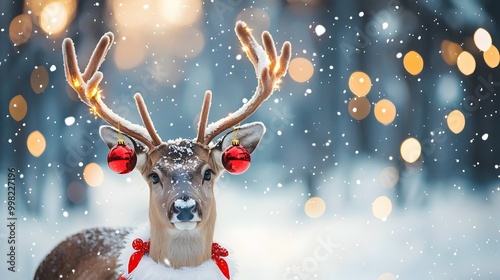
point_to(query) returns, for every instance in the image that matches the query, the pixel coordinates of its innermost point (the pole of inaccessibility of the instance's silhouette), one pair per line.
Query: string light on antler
(276, 70)
(277, 85)
(236, 158)
(94, 93)
(121, 158)
(93, 111)
(76, 83)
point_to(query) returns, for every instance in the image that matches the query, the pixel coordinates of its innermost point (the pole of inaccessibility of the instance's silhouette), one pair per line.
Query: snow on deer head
(181, 173)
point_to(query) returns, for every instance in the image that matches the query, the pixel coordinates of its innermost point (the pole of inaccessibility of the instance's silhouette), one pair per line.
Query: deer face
(181, 175)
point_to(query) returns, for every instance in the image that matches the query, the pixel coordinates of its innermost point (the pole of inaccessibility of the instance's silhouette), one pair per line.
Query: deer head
(181, 174)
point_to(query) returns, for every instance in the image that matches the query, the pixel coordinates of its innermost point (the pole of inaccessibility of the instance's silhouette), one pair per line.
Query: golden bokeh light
(466, 63)
(93, 174)
(18, 107)
(413, 63)
(386, 276)
(450, 52)
(315, 207)
(359, 108)
(300, 69)
(130, 14)
(36, 7)
(389, 177)
(360, 83)
(20, 29)
(181, 12)
(492, 57)
(189, 42)
(54, 17)
(411, 150)
(39, 79)
(165, 16)
(36, 143)
(129, 53)
(482, 39)
(456, 121)
(382, 207)
(385, 111)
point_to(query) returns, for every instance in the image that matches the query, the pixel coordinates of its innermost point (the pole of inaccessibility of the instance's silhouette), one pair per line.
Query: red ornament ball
(236, 159)
(121, 158)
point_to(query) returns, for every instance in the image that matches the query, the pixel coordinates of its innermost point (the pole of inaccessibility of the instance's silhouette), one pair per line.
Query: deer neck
(180, 248)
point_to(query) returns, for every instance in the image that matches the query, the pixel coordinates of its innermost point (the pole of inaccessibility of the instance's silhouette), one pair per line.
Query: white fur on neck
(148, 269)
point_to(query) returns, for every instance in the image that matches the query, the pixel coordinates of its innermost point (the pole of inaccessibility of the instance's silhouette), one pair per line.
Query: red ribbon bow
(218, 252)
(142, 247)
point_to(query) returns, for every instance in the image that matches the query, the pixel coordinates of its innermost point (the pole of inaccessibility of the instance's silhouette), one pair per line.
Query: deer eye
(208, 175)
(154, 178)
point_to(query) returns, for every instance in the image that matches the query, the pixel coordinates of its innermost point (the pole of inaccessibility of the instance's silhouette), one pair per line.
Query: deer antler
(86, 84)
(269, 68)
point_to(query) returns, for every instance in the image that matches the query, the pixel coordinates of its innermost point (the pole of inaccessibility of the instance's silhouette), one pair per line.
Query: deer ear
(249, 136)
(110, 136)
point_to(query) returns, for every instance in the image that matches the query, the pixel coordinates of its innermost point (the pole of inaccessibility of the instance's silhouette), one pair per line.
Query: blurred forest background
(387, 105)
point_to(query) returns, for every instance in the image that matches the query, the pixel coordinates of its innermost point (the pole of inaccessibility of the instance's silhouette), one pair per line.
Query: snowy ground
(452, 236)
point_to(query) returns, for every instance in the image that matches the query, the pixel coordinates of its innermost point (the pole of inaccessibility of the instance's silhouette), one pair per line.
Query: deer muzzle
(185, 213)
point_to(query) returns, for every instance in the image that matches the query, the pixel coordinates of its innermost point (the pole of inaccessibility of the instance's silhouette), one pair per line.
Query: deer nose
(184, 208)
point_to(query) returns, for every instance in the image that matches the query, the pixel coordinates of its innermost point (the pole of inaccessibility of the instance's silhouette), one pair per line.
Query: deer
(177, 241)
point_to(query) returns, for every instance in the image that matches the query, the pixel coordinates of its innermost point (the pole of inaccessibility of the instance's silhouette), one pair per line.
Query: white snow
(452, 236)
(179, 203)
(320, 30)
(69, 121)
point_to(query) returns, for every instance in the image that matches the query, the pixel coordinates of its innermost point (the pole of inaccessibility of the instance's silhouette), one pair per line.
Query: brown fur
(169, 245)
(95, 249)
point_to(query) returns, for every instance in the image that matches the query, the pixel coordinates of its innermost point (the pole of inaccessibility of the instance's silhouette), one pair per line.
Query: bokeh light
(385, 111)
(450, 52)
(382, 207)
(181, 12)
(413, 63)
(54, 18)
(360, 83)
(20, 29)
(36, 143)
(131, 14)
(455, 121)
(39, 79)
(389, 177)
(492, 57)
(359, 108)
(386, 276)
(18, 107)
(166, 16)
(189, 42)
(482, 39)
(466, 63)
(93, 174)
(76, 192)
(411, 150)
(300, 69)
(129, 52)
(315, 207)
